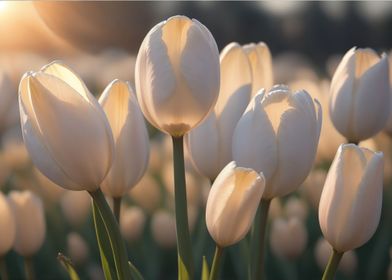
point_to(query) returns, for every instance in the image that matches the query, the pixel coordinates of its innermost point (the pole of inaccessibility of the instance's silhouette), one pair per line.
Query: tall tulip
(177, 85)
(261, 63)
(360, 94)
(352, 194)
(54, 102)
(218, 128)
(130, 141)
(231, 206)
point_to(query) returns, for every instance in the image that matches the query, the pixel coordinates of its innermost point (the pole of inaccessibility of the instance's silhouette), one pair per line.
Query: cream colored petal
(85, 155)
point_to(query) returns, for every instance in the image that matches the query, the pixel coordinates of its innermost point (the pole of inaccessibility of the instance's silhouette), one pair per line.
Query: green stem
(332, 265)
(216, 263)
(258, 241)
(29, 268)
(185, 258)
(3, 269)
(113, 231)
(117, 208)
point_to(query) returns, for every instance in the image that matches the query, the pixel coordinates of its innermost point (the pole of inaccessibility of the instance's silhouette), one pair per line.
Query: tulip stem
(332, 265)
(113, 231)
(117, 208)
(216, 263)
(29, 268)
(3, 269)
(257, 240)
(185, 258)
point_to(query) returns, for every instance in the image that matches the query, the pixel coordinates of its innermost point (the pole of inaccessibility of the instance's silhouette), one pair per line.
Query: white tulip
(7, 226)
(131, 143)
(360, 94)
(64, 128)
(217, 130)
(30, 222)
(232, 203)
(177, 75)
(261, 63)
(278, 135)
(352, 194)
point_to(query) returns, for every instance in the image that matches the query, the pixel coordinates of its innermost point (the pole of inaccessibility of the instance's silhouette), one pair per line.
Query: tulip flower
(360, 94)
(177, 75)
(130, 141)
(218, 128)
(65, 130)
(30, 222)
(261, 63)
(352, 194)
(278, 135)
(232, 203)
(7, 226)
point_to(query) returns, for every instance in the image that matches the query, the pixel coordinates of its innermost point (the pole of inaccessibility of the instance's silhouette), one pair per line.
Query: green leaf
(135, 273)
(66, 262)
(205, 272)
(105, 249)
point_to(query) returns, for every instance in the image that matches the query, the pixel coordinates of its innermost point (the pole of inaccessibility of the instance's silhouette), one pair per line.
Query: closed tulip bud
(360, 94)
(7, 226)
(77, 248)
(352, 194)
(232, 203)
(30, 222)
(288, 238)
(64, 128)
(278, 129)
(132, 223)
(163, 228)
(130, 139)
(177, 75)
(261, 62)
(218, 128)
(76, 206)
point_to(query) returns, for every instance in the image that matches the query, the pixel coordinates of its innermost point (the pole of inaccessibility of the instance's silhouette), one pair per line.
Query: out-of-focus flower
(296, 207)
(275, 209)
(388, 127)
(30, 222)
(217, 129)
(288, 238)
(48, 189)
(132, 223)
(313, 186)
(15, 156)
(278, 129)
(177, 75)
(352, 194)
(131, 143)
(146, 193)
(76, 206)
(77, 248)
(260, 60)
(8, 102)
(54, 102)
(360, 94)
(163, 228)
(348, 264)
(7, 226)
(232, 203)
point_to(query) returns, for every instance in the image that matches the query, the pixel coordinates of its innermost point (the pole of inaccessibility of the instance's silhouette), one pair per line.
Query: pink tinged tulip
(360, 94)
(64, 128)
(177, 75)
(30, 222)
(278, 135)
(7, 226)
(131, 143)
(232, 203)
(351, 200)
(218, 128)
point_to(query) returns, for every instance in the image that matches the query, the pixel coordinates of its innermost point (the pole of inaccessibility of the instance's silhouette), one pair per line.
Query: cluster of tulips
(253, 140)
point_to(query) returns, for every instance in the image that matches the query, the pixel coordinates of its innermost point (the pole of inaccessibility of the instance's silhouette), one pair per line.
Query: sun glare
(3, 5)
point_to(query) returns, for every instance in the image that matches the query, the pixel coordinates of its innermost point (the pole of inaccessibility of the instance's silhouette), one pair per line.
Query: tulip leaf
(205, 272)
(67, 263)
(105, 249)
(135, 273)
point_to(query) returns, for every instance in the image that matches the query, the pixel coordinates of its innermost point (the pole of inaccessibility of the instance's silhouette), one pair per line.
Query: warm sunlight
(3, 5)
